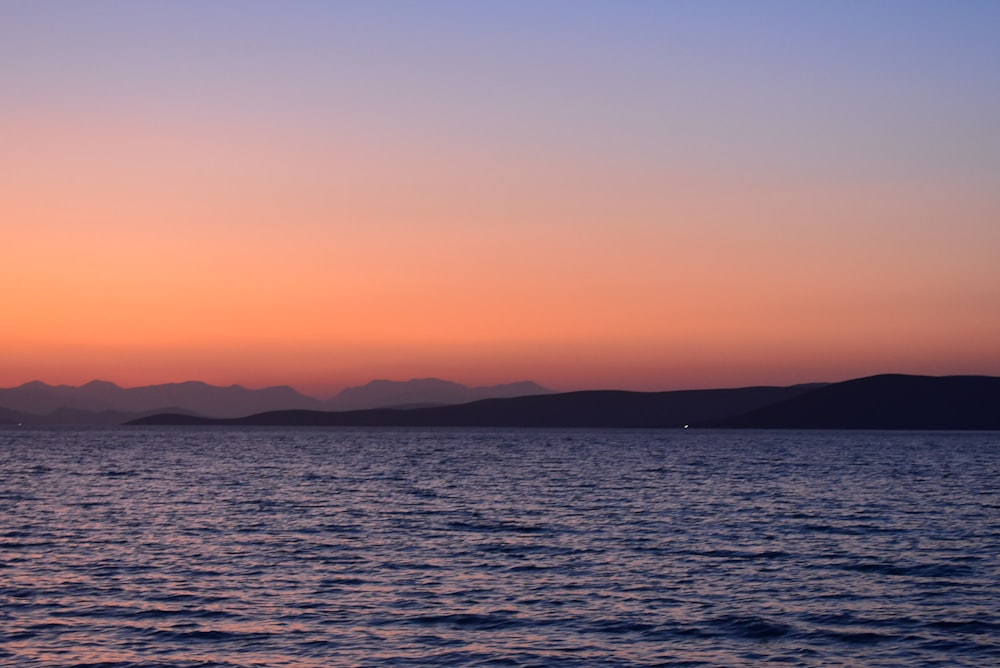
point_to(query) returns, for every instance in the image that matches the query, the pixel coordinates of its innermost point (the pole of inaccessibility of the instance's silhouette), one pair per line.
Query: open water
(224, 547)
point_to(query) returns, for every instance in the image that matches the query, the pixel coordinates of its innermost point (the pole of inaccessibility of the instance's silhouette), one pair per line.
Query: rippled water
(215, 547)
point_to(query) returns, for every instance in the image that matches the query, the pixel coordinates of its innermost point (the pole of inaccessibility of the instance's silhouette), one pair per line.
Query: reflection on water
(177, 547)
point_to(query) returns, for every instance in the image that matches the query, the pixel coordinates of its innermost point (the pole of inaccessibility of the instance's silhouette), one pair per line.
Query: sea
(194, 547)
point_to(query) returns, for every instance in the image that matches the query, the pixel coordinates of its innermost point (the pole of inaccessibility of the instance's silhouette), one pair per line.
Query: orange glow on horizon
(682, 229)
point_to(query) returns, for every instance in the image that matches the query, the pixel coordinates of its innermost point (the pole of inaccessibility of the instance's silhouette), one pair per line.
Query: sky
(589, 194)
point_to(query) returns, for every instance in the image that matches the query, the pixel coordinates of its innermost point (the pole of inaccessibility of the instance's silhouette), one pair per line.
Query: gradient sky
(642, 195)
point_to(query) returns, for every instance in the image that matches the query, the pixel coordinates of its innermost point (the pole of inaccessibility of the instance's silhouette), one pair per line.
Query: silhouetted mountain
(876, 402)
(424, 392)
(99, 397)
(101, 402)
(38, 398)
(885, 402)
(607, 408)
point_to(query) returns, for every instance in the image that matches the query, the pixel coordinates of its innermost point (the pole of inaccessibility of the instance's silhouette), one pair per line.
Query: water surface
(222, 547)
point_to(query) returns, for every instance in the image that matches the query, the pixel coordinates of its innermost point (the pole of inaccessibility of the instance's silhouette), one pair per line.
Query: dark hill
(884, 402)
(595, 409)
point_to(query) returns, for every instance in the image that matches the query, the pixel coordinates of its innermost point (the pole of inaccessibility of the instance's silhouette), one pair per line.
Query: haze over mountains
(101, 402)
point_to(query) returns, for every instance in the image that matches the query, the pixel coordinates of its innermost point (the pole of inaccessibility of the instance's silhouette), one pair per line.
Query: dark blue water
(217, 547)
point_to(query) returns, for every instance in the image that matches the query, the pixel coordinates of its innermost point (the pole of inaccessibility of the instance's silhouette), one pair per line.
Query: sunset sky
(637, 195)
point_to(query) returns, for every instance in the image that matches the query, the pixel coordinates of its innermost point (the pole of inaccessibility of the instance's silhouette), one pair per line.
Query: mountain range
(888, 401)
(874, 402)
(101, 402)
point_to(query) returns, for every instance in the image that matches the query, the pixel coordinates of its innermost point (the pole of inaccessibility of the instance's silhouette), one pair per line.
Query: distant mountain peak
(186, 383)
(33, 385)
